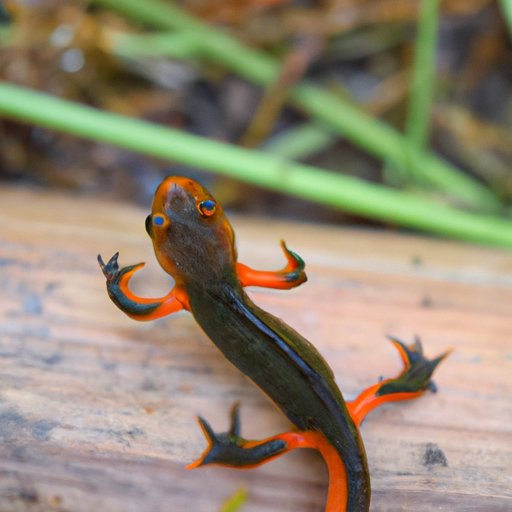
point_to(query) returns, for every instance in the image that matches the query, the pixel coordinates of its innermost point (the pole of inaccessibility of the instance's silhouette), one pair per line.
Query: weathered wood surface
(97, 411)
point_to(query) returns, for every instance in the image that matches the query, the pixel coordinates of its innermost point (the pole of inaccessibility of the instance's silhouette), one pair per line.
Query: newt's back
(289, 370)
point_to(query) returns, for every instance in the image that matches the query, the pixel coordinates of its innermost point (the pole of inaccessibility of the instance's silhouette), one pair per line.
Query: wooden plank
(97, 411)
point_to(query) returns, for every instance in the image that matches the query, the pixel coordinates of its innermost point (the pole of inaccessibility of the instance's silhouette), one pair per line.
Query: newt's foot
(230, 449)
(111, 270)
(417, 370)
(294, 272)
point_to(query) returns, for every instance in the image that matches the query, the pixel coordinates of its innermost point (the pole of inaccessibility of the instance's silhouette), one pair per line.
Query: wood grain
(97, 411)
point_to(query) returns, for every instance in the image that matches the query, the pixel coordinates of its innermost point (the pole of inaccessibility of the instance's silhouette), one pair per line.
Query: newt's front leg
(290, 276)
(143, 308)
(139, 308)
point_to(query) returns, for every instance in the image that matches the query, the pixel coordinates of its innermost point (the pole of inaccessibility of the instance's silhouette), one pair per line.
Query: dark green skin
(289, 370)
(278, 359)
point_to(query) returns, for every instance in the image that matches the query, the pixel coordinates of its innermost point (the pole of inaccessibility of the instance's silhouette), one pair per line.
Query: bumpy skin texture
(194, 243)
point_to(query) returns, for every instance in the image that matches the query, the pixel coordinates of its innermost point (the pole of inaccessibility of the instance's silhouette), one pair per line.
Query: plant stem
(374, 136)
(235, 502)
(300, 141)
(181, 45)
(506, 7)
(422, 80)
(266, 170)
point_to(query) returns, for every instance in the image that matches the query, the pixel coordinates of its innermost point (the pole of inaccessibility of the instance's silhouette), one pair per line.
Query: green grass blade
(263, 169)
(506, 8)
(423, 72)
(180, 45)
(374, 136)
(300, 141)
(235, 502)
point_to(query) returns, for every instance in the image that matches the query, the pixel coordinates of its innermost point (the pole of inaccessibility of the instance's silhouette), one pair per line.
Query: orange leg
(412, 382)
(290, 276)
(231, 450)
(139, 308)
(142, 308)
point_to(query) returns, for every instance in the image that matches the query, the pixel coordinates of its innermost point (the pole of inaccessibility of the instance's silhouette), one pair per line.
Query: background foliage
(395, 111)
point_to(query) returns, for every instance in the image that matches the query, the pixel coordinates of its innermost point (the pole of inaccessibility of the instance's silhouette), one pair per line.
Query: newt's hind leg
(411, 383)
(231, 450)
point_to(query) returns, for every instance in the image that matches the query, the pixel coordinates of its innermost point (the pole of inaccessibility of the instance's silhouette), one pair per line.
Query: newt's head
(192, 238)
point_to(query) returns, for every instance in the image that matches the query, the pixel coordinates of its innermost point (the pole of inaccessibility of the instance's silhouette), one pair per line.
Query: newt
(195, 243)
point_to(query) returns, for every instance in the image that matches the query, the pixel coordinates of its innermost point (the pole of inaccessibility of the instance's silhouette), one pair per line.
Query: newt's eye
(158, 220)
(207, 207)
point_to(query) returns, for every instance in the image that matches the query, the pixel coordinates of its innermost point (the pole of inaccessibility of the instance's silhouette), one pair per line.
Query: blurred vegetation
(235, 502)
(407, 103)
